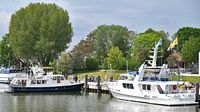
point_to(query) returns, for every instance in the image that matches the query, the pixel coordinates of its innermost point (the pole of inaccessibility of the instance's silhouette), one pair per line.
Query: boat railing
(155, 79)
(21, 75)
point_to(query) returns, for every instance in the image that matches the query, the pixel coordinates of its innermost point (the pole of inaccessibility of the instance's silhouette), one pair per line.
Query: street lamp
(57, 65)
(127, 66)
(85, 63)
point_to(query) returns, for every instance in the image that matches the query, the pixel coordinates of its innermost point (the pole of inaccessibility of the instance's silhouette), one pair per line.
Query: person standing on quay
(105, 76)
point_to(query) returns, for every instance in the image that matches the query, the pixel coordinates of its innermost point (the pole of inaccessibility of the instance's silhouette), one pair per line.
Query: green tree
(191, 49)
(115, 58)
(91, 63)
(65, 63)
(80, 52)
(107, 36)
(144, 42)
(7, 57)
(40, 31)
(172, 61)
(137, 59)
(86, 47)
(79, 61)
(184, 35)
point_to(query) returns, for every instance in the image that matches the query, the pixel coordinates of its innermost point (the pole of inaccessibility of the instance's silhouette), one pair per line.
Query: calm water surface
(78, 102)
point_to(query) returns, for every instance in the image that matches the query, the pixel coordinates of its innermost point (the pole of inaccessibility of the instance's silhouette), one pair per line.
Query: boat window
(127, 85)
(144, 87)
(54, 78)
(62, 78)
(19, 82)
(123, 78)
(148, 87)
(14, 81)
(131, 86)
(23, 82)
(33, 82)
(43, 81)
(38, 81)
(124, 85)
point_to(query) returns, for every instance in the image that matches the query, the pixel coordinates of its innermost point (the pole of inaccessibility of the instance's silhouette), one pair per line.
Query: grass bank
(187, 78)
(101, 73)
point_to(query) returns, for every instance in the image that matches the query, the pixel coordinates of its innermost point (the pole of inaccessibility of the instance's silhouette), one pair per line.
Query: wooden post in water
(197, 92)
(86, 83)
(98, 84)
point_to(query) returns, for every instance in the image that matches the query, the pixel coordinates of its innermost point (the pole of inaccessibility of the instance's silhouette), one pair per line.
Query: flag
(159, 43)
(173, 44)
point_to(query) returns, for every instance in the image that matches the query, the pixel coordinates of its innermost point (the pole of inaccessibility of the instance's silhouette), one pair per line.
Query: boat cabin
(159, 88)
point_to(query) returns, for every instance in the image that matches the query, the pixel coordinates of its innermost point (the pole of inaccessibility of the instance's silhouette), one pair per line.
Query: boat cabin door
(58, 79)
(23, 82)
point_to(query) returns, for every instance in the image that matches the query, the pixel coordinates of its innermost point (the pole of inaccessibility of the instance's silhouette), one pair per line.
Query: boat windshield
(38, 82)
(20, 82)
(126, 77)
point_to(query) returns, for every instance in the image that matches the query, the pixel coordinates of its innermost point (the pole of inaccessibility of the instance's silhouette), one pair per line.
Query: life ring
(174, 87)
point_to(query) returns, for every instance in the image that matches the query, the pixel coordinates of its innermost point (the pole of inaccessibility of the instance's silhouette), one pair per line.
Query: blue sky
(136, 15)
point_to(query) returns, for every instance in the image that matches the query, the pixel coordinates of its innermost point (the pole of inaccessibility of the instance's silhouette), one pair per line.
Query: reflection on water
(78, 102)
(120, 105)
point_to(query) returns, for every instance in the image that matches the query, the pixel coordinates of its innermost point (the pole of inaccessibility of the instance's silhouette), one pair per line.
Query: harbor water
(77, 102)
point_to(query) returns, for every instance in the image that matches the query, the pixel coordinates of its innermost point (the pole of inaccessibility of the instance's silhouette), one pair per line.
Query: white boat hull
(166, 102)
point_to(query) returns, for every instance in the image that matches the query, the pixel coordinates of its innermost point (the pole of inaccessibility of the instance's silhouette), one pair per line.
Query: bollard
(86, 83)
(98, 84)
(197, 92)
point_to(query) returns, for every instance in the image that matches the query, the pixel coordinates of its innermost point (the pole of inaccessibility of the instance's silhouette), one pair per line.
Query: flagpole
(179, 77)
(161, 54)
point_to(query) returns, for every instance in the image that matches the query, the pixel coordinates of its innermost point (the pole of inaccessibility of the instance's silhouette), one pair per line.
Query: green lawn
(187, 78)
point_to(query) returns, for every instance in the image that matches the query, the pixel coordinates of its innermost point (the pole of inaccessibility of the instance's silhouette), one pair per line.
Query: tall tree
(115, 58)
(65, 63)
(7, 57)
(86, 47)
(91, 63)
(79, 61)
(107, 36)
(191, 49)
(184, 35)
(83, 50)
(144, 42)
(40, 31)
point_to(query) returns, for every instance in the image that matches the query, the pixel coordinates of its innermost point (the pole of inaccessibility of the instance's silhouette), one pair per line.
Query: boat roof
(130, 73)
(55, 75)
(161, 82)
